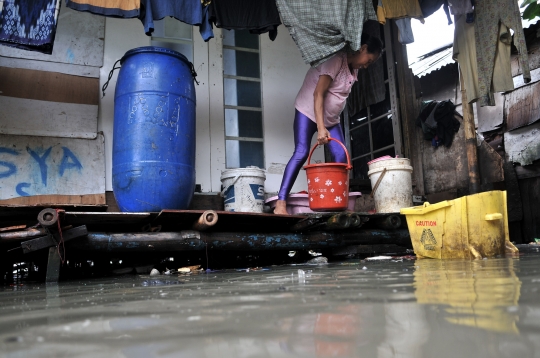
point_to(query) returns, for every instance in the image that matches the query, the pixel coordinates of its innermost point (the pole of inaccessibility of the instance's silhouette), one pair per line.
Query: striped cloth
(320, 28)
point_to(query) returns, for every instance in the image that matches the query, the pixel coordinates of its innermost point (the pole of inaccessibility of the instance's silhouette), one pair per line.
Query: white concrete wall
(282, 75)
(121, 35)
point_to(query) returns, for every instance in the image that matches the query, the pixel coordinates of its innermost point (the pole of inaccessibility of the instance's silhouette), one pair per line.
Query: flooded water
(409, 308)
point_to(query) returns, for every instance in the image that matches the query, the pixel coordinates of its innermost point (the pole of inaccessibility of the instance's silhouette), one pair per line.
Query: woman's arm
(320, 92)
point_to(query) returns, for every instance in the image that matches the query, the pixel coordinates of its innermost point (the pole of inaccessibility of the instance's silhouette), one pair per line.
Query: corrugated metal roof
(442, 56)
(432, 61)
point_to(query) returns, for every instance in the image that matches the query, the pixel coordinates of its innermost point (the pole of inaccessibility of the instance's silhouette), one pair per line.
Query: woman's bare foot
(281, 208)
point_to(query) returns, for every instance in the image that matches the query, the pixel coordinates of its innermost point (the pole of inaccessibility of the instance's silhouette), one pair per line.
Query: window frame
(243, 108)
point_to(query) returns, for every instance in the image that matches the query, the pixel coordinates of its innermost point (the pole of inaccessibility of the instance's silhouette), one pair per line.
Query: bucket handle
(378, 182)
(349, 166)
(228, 186)
(106, 84)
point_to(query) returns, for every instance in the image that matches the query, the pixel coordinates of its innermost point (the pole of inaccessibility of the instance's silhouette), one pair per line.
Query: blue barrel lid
(155, 49)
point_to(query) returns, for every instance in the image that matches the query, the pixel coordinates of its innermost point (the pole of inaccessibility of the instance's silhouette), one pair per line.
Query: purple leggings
(304, 128)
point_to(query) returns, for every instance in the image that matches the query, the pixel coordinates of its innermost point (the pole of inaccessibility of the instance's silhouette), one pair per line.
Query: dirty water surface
(390, 308)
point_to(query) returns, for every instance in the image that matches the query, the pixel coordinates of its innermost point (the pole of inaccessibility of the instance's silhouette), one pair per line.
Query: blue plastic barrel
(154, 131)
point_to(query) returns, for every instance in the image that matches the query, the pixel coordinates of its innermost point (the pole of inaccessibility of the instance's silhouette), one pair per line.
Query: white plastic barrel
(395, 187)
(243, 189)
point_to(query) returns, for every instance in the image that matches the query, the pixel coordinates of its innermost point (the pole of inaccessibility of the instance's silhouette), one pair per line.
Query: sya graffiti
(31, 172)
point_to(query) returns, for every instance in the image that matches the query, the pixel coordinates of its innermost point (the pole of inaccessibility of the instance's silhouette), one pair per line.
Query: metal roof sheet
(432, 61)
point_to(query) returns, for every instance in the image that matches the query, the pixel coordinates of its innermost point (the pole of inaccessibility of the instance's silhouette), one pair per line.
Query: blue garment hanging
(191, 12)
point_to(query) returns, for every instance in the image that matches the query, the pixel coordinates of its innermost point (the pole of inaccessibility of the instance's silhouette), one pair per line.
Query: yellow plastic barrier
(474, 226)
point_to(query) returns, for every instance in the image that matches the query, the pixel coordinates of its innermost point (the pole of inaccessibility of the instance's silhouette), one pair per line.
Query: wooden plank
(51, 166)
(535, 77)
(52, 119)
(533, 49)
(79, 40)
(490, 164)
(530, 192)
(12, 228)
(522, 106)
(55, 200)
(67, 68)
(529, 171)
(491, 117)
(513, 197)
(523, 145)
(409, 111)
(48, 86)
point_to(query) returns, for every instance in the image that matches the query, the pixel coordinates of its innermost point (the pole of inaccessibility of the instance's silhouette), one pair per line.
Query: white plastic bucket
(394, 190)
(243, 189)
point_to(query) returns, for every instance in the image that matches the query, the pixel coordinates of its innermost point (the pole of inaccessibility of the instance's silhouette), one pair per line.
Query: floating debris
(154, 272)
(318, 260)
(313, 253)
(189, 269)
(378, 258)
(292, 253)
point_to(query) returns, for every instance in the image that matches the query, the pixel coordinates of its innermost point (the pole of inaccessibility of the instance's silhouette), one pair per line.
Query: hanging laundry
(397, 9)
(114, 8)
(488, 15)
(460, 7)
(191, 12)
(29, 25)
(370, 88)
(321, 28)
(256, 16)
(464, 52)
(438, 122)
(430, 6)
(405, 34)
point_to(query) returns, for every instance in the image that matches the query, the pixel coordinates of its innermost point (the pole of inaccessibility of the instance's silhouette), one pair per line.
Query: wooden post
(409, 111)
(470, 139)
(53, 265)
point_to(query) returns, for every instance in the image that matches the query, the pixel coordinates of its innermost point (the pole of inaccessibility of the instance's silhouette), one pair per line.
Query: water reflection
(406, 331)
(478, 293)
(423, 308)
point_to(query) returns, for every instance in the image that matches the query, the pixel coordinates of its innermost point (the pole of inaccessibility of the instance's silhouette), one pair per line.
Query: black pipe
(194, 240)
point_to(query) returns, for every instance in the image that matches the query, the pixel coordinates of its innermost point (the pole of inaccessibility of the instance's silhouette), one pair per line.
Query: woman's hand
(318, 101)
(322, 136)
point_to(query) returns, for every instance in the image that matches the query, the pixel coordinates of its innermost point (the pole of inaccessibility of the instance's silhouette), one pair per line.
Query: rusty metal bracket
(53, 239)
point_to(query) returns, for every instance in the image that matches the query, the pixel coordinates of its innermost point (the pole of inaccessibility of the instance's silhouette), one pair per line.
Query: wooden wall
(530, 196)
(50, 148)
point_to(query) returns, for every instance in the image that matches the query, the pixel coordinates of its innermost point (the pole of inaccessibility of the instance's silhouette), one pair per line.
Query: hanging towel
(320, 28)
(113, 8)
(256, 16)
(29, 24)
(464, 52)
(489, 14)
(191, 12)
(398, 9)
(405, 34)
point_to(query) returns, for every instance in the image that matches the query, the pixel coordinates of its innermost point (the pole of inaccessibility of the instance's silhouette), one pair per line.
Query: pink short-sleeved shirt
(336, 97)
